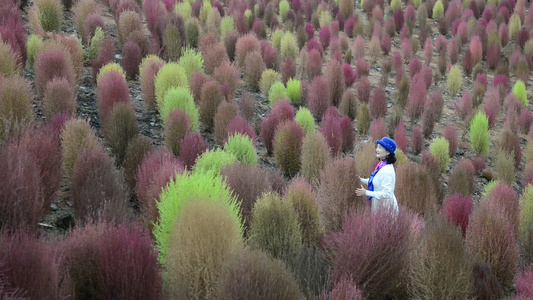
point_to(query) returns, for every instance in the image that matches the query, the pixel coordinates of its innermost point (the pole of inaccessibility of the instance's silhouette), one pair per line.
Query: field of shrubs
(198, 149)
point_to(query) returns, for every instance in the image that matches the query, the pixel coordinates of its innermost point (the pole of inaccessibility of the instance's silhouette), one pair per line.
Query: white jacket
(383, 194)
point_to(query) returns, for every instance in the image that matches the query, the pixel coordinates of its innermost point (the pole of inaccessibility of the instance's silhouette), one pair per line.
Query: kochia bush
(169, 76)
(180, 98)
(287, 147)
(121, 128)
(76, 136)
(454, 80)
(440, 148)
(112, 89)
(242, 147)
(479, 134)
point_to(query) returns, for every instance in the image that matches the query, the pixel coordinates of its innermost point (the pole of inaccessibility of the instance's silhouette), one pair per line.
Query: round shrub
(120, 129)
(210, 98)
(268, 129)
(440, 264)
(228, 76)
(454, 80)
(109, 68)
(112, 89)
(305, 119)
(169, 76)
(457, 209)
(213, 161)
(363, 119)
(51, 63)
(438, 10)
(76, 136)
(334, 76)
(191, 61)
(336, 192)
(253, 69)
(479, 134)
(50, 14)
(440, 148)
(15, 105)
(415, 188)
(203, 237)
(226, 112)
(519, 90)
(462, 178)
(274, 227)
(94, 171)
(319, 97)
(294, 91)
(128, 22)
(256, 275)
(490, 238)
(32, 47)
(82, 9)
(288, 46)
(245, 44)
(131, 58)
(387, 248)
(268, 78)
(300, 194)
(287, 147)
(177, 126)
(241, 126)
(9, 61)
(315, 155)
(277, 92)
(137, 150)
(186, 188)
(242, 147)
(180, 98)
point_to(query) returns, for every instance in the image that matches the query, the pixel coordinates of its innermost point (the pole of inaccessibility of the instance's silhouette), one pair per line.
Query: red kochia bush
(457, 209)
(147, 81)
(246, 44)
(347, 133)
(330, 127)
(192, 146)
(108, 262)
(400, 137)
(524, 284)
(29, 266)
(324, 35)
(288, 70)
(313, 65)
(59, 97)
(490, 237)
(284, 108)
(270, 55)
(344, 288)
(386, 248)
(385, 44)
(417, 140)
(349, 75)
(334, 77)
(319, 98)
(451, 135)
(268, 128)
(155, 171)
(378, 129)
(363, 89)
(112, 88)
(378, 103)
(510, 143)
(506, 198)
(21, 192)
(95, 171)
(51, 63)
(463, 107)
(417, 97)
(131, 58)
(362, 67)
(177, 126)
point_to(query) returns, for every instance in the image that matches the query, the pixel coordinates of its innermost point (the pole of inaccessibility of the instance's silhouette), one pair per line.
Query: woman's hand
(361, 191)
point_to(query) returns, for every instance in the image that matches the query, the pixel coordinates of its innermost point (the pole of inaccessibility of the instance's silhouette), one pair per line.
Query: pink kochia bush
(108, 262)
(417, 97)
(319, 98)
(381, 239)
(349, 75)
(457, 209)
(112, 88)
(27, 265)
(378, 103)
(524, 284)
(192, 146)
(51, 63)
(506, 198)
(239, 125)
(330, 127)
(400, 137)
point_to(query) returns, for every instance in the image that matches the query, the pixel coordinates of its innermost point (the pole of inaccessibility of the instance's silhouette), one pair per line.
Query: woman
(382, 181)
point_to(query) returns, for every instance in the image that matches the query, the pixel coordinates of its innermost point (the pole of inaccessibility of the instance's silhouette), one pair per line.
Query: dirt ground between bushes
(150, 125)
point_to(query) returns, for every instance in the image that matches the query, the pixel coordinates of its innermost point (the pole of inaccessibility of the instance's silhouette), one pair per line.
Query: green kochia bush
(277, 92)
(170, 75)
(32, 46)
(300, 194)
(275, 227)
(294, 91)
(191, 61)
(454, 80)
(305, 119)
(182, 189)
(180, 98)
(440, 148)
(479, 134)
(213, 161)
(242, 147)
(519, 89)
(50, 14)
(287, 147)
(315, 155)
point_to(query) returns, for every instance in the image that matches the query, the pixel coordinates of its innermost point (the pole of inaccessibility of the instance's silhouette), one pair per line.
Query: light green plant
(519, 90)
(180, 98)
(192, 28)
(97, 40)
(528, 47)
(248, 14)
(110, 67)
(294, 91)
(242, 147)
(504, 165)
(438, 10)
(395, 4)
(50, 14)
(440, 149)
(268, 78)
(514, 26)
(32, 47)
(276, 38)
(184, 9)
(204, 12)
(324, 18)
(363, 119)
(479, 134)
(289, 47)
(277, 91)
(488, 188)
(213, 161)
(227, 25)
(191, 61)
(170, 75)
(401, 158)
(283, 9)
(187, 187)
(454, 80)
(526, 209)
(528, 152)
(305, 118)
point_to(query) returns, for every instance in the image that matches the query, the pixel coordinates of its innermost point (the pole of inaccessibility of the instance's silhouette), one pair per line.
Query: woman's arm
(387, 187)
(364, 180)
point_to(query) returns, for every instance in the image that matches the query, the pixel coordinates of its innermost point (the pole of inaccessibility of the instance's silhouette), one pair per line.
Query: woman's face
(381, 153)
